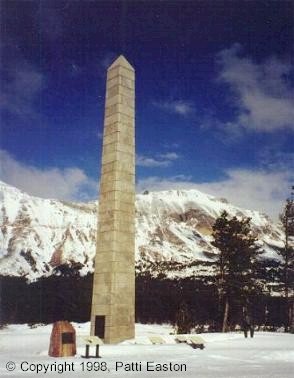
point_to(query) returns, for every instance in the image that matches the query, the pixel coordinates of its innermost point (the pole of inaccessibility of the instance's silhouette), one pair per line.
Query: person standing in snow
(247, 323)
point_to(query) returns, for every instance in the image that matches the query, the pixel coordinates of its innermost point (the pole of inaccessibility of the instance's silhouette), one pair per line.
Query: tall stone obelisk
(113, 300)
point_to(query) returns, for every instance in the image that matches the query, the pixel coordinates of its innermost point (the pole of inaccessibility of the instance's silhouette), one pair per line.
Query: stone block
(102, 279)
(117, 225)
(113, 82)
(121, 138)
(126, 159)
(117, 166)
(120, 71)
(119, 108)
(122, 156)
(125, 120)
(126, 82)
(116, 195)
(119, 89)
(110, 176)
(124, 100)
(127, 209)
(123, 81)
(124, 197)
(107, 256)
(119, 236)
(121, 249)
(123, 185)
(104, 299)
(118, 146)
(127, 139)
(113, 221)
(127, 100)
(106, 186)
(118, 126)
(111, 138)
(112, 128)
(122, 314)
(100, 309)
(108, 248)
(125, 254)
(109, 158)
(117, 267)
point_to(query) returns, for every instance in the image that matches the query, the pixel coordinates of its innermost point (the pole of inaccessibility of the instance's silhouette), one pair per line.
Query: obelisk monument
(113, 299)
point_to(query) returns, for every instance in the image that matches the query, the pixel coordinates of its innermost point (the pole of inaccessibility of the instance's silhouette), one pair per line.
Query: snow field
(225, 355)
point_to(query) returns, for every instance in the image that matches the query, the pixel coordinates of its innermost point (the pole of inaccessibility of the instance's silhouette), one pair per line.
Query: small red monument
(62, 340)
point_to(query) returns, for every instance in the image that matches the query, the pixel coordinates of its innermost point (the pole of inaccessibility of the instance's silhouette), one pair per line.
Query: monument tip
(121, 61)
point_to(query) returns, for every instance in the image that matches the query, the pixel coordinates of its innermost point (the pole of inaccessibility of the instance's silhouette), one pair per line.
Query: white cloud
(144, 161)
(64, 184)
(161, 160)
(263, 190)
(180, 107)
(171, 145)
(169, 156)
(256, 190)
(264, 97)
(155, 183)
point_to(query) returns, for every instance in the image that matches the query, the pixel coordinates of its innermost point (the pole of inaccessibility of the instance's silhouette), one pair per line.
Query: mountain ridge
(37, 235)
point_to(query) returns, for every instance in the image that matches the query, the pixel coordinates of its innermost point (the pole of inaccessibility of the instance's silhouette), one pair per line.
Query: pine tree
(236, 262)
(287, 263)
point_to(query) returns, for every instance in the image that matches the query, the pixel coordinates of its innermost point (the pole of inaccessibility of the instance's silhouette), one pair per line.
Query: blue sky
(214, 95)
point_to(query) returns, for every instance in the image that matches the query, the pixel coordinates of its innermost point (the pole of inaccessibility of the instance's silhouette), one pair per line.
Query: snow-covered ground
(225, 355)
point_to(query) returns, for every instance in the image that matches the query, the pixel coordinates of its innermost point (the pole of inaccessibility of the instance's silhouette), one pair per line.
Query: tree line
(239, 286)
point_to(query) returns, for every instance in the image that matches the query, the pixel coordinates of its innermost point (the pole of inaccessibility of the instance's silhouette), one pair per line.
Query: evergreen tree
(287, 264)
(236, 262)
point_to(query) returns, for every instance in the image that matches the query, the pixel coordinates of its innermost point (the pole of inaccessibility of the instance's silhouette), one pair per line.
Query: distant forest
(158, 300)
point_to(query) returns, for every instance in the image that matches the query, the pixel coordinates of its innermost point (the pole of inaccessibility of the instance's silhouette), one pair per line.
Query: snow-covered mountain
(37, 235)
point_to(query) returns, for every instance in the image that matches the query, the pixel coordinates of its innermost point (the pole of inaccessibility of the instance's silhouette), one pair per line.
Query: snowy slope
(225, 355)
(38, 235)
